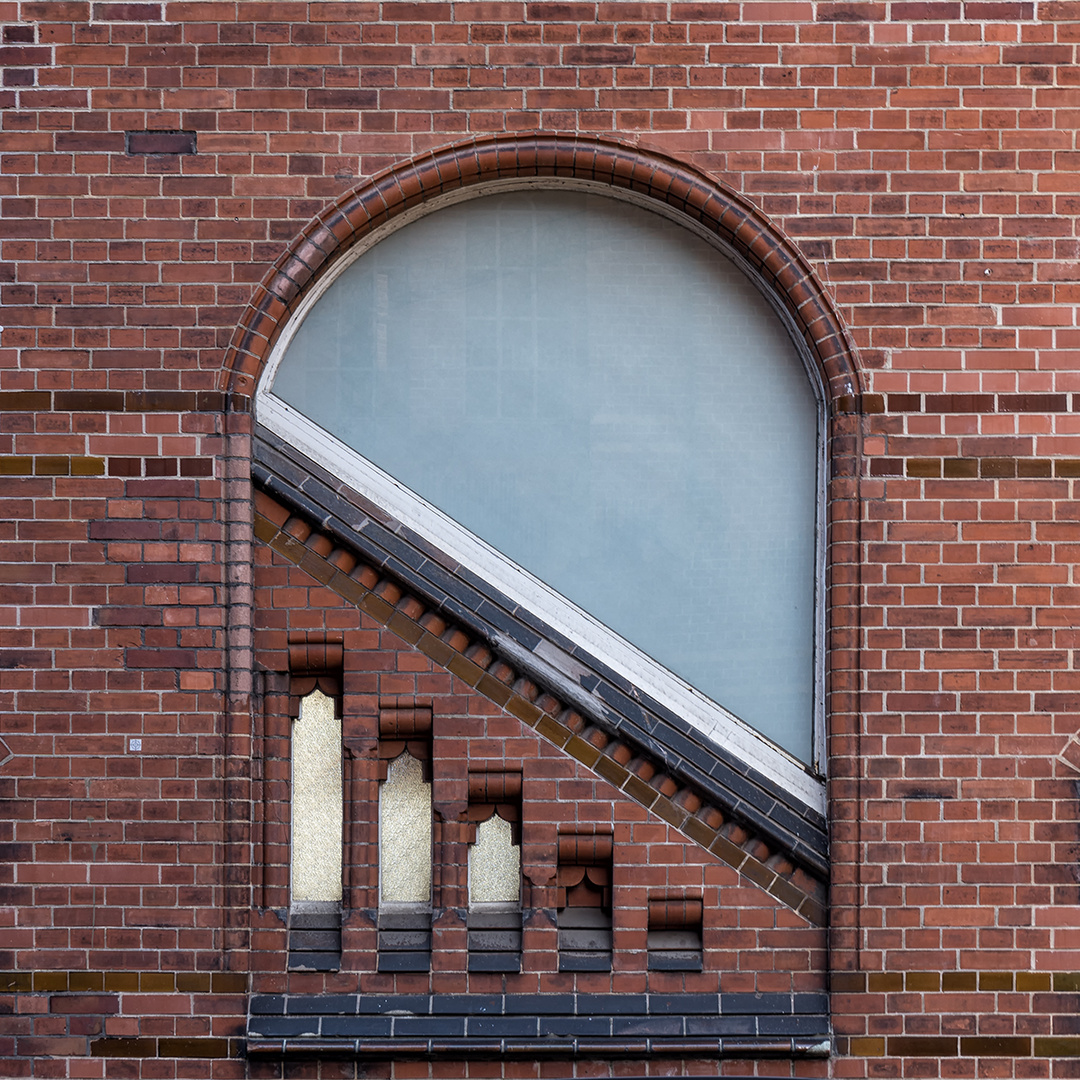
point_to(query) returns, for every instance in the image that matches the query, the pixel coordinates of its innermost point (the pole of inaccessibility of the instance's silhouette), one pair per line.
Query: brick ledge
(742, 1047)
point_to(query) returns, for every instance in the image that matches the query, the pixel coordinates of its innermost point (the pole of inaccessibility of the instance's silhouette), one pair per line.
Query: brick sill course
(524, 1025)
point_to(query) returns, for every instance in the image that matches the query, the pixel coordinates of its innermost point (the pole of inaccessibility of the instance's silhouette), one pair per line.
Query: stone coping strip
(740, 1047)
(294, 539)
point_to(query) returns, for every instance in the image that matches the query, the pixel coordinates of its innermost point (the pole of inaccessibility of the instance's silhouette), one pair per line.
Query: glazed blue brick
(267, 1004)
(758, 1004)
(594, 1026)
(323, 1003)
(721, 1025)
(467, 1004)
(357, 1027)
(429, 1027)
(647, 1025)
(283, 1027)
(502, 1027)
(399, 1003)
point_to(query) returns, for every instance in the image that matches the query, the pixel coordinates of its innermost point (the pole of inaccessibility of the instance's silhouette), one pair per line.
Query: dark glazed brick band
(620, 1025)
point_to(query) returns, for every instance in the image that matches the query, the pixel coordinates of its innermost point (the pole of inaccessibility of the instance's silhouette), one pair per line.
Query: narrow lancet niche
(317, 801)
(405, 867)
(405, 834)
(317, 816)
(494, 898)
(494, 864)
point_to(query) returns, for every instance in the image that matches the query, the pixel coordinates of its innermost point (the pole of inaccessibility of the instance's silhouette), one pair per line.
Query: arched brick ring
(651, 176)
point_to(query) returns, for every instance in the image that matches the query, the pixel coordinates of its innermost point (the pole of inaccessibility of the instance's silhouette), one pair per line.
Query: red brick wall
(923, 158)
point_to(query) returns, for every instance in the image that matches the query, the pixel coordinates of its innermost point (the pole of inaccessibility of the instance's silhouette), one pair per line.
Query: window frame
(803, 780)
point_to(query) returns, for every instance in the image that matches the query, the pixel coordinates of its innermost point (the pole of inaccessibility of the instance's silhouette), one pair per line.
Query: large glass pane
(606, 399)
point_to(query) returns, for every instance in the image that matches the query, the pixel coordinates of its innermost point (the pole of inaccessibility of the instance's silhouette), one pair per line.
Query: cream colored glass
(405, 834)
(494, 864)
(316, 801)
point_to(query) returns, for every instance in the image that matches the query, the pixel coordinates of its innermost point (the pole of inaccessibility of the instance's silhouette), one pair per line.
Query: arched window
(595, 409)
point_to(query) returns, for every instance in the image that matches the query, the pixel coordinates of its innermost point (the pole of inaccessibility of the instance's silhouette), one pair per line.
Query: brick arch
(650, 176)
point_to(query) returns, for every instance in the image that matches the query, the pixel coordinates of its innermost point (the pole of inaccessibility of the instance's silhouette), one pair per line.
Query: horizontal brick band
(140, 1047)
(51, 465)
(121, 982)
(393, 1049)
(981, 403)
(961, 982)
(120, 401)
(977, 468)
(941, 1046)
(217, 401)
(1021, 982)
(944, 404)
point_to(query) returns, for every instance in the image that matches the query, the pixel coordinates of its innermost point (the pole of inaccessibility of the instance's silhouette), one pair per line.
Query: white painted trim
(706, 716)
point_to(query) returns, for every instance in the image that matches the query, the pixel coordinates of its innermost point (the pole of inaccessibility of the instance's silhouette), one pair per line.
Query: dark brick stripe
(942, 1046)
(121, 401)
(939, 404)
(977, 468)
(166, 1048)
(217, 401)
(892, 982)
(982, 403)
(51, 465)
(156, 982)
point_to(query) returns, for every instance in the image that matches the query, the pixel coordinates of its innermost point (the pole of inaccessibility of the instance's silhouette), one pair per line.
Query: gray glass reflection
(606, 399)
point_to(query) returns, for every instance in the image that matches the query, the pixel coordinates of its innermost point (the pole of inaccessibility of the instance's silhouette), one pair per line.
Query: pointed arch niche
(595, 387)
